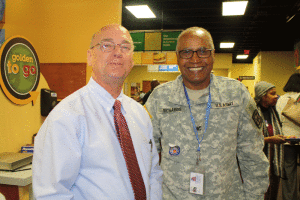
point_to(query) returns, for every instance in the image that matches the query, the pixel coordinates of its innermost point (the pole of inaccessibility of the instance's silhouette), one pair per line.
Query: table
(17, 185)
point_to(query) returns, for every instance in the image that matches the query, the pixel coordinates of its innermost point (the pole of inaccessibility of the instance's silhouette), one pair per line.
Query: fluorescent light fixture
(224, 45)
(242, 56)
(234, 8)
(142, 11)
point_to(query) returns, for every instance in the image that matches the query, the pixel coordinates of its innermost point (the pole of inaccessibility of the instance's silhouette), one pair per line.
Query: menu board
(138, 41)
(147, 58)
(168, 68)
(169, 58)
(169, 40)
(155, 41)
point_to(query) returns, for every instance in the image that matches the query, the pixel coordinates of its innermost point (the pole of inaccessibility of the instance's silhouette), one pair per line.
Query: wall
(272, 66)
(221, 72)
(19, 122)
(277, 67)
(243, 70)
(60, 32)
(257, 67)
(223, 61)
(64, 78)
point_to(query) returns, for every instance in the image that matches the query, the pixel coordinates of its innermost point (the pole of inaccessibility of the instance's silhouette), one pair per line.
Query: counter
(17, 184)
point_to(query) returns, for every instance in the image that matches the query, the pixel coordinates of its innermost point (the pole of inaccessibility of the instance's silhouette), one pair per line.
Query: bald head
(197, 31)
(111, 57)
(112, 29)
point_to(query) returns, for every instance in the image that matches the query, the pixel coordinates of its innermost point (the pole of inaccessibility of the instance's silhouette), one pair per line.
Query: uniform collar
(178, 96)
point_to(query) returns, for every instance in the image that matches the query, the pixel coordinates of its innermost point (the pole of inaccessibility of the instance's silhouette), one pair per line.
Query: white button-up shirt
(77, 154)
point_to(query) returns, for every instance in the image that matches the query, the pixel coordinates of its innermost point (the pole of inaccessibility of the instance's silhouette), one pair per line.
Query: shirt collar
(104, 97)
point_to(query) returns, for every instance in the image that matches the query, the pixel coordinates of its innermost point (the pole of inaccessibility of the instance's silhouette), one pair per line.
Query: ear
(177, 57)
(213, 54)
(90, 57)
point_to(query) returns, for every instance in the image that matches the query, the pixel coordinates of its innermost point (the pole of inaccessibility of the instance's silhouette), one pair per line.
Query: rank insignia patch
(257, 118)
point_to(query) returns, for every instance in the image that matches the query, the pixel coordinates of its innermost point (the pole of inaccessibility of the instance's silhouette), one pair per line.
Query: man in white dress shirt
(77, 154)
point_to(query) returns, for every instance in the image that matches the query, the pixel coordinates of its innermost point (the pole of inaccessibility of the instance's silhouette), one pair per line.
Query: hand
(276, 139)
(292, 137)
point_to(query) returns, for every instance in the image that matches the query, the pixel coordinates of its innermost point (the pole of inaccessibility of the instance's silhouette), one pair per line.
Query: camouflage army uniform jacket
(233, 133)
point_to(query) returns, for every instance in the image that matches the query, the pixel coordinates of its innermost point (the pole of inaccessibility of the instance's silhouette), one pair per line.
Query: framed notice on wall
(2, 36)
(2, 9)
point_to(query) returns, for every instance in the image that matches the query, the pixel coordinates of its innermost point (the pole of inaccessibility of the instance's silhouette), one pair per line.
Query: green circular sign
(21, 68)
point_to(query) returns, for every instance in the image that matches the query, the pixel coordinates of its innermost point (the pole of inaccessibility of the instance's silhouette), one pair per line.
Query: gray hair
(194, 30)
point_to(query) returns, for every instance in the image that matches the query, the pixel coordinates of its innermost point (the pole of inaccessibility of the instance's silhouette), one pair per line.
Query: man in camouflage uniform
(230, 156)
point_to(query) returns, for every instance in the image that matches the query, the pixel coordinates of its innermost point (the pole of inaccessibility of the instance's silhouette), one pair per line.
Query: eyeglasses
(110, 46)
(201, 53)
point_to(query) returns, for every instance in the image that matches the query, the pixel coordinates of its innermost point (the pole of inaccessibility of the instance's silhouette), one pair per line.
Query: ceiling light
(234, 8)
(226, 45)
(142, 11)
(242, 56)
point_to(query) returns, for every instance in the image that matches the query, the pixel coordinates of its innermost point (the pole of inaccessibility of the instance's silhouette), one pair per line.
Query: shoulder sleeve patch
(257, 118)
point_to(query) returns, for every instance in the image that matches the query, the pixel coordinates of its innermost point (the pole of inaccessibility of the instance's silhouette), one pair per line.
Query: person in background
(266, 98)
(291, 130)
(154, 84)
(82, 149)
(207, 129)
(140, 97)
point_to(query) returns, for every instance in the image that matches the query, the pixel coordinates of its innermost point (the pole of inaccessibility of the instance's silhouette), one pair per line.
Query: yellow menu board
(153, 41)
(171, 58)
(137, 58)
(159, 58)
(147, 58)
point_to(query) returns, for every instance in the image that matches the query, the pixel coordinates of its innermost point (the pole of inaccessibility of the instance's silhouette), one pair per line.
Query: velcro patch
(257, 118)
(224, 104)
(168, 110)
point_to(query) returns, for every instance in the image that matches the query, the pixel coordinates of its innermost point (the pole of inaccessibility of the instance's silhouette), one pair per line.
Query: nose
(195, 58)
(117, 51)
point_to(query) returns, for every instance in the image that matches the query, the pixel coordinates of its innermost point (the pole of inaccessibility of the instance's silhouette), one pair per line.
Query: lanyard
(206, 115)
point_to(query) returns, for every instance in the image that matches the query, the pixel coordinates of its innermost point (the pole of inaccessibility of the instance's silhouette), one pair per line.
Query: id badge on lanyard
(197, 180)
(197, 174)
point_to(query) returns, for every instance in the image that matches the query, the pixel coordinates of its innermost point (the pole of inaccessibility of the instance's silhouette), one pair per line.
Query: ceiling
(264, 26)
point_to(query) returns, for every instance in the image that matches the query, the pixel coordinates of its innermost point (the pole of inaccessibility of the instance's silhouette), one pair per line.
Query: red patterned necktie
(133, 168)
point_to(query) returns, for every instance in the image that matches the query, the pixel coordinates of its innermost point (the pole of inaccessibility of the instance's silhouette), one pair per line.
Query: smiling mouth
(115, 63)
(196, 68)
